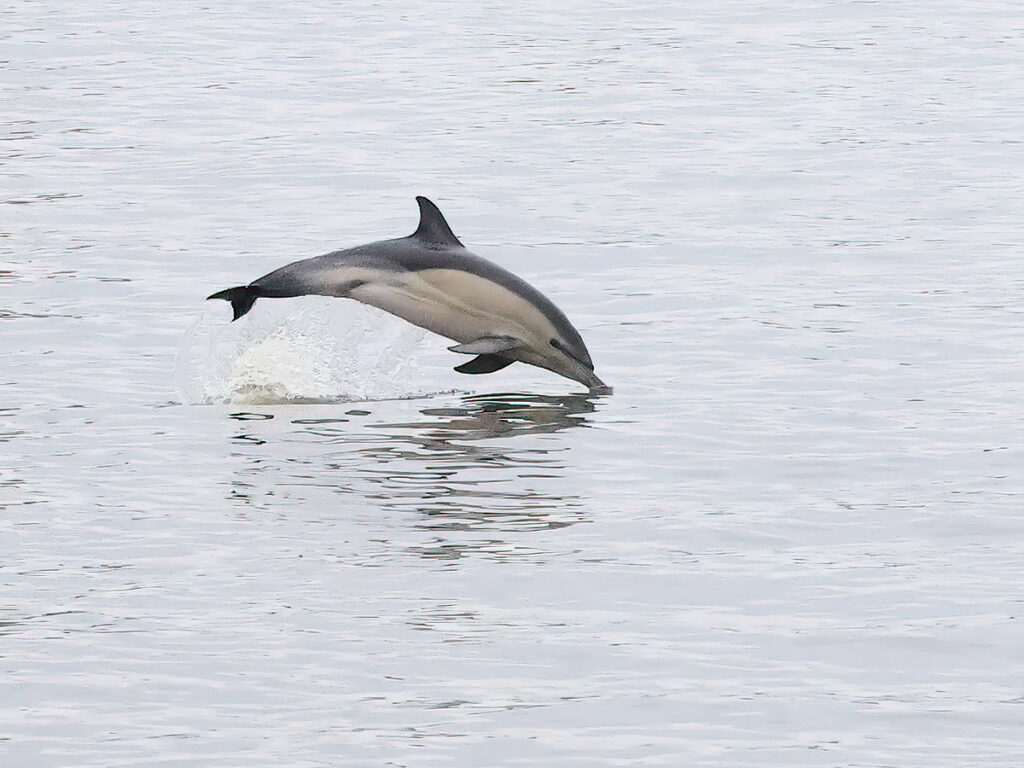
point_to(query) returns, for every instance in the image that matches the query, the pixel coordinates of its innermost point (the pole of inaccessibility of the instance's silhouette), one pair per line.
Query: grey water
(791, 236)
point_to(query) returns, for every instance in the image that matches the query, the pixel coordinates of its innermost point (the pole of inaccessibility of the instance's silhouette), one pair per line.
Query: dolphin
(431, 280)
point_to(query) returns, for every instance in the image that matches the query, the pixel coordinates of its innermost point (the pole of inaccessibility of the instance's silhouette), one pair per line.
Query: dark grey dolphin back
(433, 229)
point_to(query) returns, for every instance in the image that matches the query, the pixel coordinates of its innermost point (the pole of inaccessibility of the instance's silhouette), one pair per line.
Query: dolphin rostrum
(431, 280)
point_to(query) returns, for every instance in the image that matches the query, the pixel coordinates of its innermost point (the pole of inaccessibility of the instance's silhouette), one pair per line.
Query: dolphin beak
(596, 386)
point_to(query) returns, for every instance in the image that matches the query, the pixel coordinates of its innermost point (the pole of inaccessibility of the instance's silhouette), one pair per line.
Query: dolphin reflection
(480, 417)
(481, 463)
(458, 469)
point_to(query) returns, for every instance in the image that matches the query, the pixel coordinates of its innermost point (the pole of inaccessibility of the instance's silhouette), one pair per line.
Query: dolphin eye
(568, 352)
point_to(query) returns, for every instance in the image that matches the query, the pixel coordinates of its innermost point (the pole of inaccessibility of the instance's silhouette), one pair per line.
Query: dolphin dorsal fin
(433, 228)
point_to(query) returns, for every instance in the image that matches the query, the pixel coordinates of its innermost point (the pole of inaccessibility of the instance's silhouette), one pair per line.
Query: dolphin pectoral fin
(487, 345)
(484, 364)
(488, 350)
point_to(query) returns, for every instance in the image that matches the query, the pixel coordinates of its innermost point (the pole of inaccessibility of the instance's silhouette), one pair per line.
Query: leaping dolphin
(431, 280)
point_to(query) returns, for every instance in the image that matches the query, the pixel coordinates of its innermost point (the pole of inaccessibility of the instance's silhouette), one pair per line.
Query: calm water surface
(791, 236)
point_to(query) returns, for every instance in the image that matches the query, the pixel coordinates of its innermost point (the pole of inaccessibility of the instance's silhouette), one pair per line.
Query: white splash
(305, 350)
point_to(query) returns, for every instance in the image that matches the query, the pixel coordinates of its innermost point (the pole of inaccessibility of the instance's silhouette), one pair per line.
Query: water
(790, 235)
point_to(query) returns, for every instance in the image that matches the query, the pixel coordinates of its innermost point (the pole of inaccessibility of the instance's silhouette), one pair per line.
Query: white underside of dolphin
(431, 280)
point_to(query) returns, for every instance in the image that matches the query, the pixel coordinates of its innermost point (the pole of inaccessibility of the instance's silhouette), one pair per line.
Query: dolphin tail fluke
(241, 299)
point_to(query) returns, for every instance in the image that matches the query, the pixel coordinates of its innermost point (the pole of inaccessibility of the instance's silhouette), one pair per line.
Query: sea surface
(792, 236)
